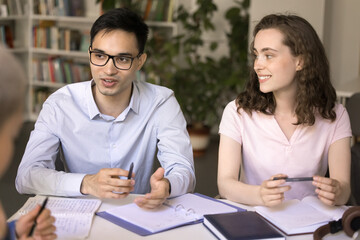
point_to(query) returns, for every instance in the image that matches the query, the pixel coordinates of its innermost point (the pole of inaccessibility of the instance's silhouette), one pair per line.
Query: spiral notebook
(183, 210)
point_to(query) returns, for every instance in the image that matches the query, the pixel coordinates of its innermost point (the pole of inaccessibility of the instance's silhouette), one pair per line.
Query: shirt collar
(93, 110)
(92, 107)
(135, 98)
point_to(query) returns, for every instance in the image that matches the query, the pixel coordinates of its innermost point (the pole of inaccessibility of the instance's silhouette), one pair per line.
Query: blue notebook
(240, 226)
(175, 212)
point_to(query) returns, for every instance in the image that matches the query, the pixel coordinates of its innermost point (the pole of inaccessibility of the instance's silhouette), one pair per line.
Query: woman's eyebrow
(268, 49)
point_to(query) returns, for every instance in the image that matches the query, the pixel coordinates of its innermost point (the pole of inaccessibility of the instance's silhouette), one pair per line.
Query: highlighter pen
(41, 209)
(297, 179)
(131, 170)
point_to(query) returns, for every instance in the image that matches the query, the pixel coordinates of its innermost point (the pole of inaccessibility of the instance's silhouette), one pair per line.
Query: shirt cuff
(72, 184)
(176, 184)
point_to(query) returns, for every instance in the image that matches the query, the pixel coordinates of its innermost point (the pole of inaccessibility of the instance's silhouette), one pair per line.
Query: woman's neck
(285, 104)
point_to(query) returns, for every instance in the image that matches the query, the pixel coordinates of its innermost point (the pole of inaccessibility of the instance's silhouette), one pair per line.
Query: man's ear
(142, 60)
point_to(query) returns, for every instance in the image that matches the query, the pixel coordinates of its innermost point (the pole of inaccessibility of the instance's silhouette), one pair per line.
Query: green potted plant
(194, 84)
(204, 85)
(233, 68)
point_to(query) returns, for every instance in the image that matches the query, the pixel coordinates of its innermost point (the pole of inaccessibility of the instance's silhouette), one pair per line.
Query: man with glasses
(103, 125)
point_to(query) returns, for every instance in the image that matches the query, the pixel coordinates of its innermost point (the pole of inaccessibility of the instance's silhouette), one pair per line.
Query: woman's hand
(271, 191)
(44, 229)
(327, 189)
(3, 225)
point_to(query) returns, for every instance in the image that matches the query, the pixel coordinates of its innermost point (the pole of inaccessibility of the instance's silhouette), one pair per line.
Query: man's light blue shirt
(152, 124)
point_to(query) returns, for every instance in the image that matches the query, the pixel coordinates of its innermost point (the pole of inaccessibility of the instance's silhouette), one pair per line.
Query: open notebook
(305, 216)
(183, 210)
(73, 217)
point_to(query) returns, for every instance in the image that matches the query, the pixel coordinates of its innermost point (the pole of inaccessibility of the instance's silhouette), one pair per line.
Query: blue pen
(297, 179)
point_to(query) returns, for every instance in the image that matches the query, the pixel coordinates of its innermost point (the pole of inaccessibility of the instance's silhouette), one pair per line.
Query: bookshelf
(51, 39)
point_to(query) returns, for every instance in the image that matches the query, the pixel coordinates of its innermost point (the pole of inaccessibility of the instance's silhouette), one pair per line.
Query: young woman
(286, 123)
(12, 90)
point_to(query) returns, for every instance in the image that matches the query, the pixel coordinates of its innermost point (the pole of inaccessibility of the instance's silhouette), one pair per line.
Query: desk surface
(103, 229)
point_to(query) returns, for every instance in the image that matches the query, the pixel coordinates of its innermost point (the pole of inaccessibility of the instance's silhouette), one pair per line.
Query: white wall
(312, 10)
(342, 42)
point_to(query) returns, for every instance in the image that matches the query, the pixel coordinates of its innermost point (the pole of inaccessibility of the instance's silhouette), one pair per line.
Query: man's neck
(112, 105)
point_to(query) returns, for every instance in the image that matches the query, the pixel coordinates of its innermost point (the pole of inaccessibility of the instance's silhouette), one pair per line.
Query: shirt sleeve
(11, 234)
(36, 173)
(174, 148)
(230, 123)
(342, 127)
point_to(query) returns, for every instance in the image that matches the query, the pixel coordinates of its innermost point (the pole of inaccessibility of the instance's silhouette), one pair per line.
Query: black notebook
(240, 225)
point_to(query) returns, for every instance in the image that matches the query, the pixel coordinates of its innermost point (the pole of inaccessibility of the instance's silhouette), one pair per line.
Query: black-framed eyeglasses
(121, 62)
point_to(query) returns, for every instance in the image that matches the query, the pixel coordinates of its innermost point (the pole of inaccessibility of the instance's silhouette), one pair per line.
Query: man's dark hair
(122, 19)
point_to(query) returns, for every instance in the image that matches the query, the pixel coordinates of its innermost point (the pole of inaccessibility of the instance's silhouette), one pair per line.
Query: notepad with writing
(73, 217)
(298, 217)
(183, 210)
(240, 226)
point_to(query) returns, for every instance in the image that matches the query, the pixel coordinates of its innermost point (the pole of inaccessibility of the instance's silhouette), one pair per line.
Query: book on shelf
(39, 97)
(51, 70)
(170, 11)
(76, 8)
(157, 10)
(240, 226)
(299, 217)
(6, 36)
(47, 35)
(59, 7)
(175, 212)
(73, 217)
(3, 10)
(59, 70)
(146, 8)
(13, 7)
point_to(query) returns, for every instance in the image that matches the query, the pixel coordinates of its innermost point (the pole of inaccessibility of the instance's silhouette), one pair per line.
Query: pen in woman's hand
(40, 211)
(297, 179)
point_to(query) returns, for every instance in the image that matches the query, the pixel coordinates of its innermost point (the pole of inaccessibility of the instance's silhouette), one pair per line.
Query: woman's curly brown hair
(315, 91)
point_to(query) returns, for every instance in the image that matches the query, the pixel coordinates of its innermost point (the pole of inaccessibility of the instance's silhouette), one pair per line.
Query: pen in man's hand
(131, 170)
(38, 214)
(297, 179)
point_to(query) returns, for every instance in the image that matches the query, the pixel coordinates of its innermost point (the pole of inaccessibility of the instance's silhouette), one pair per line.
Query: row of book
(6, 36)
(59, 7)
(13, 8)
(39, 97)
(59, 70)
(157, 10)
(53, 37)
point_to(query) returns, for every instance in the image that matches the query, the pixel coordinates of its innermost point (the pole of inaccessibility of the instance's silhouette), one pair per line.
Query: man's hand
(159, 191)
(44, 229)
(107, 184)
